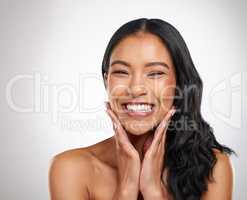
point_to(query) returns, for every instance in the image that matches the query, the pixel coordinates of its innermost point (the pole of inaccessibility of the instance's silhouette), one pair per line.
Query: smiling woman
(140, 81)
(152, 86)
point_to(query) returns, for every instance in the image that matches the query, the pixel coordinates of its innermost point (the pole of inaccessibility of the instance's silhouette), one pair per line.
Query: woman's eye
(156, 73)
(119, 72)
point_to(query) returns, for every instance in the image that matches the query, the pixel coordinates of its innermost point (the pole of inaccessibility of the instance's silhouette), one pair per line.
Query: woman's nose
(137, 86)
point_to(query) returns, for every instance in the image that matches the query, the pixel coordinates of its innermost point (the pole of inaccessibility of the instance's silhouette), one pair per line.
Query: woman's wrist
(155, 195)
(159, 193)
(126, 193)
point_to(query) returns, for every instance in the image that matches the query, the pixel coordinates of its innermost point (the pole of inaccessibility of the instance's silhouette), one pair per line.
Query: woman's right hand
(128, 161)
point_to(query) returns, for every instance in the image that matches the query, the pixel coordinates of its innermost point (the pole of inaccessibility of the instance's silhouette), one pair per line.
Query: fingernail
(173, 112)
(115, 126)
(164, 123)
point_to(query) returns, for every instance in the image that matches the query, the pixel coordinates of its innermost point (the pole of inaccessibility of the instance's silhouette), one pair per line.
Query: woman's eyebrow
(120, 62)
(157, 63)
(146, 65)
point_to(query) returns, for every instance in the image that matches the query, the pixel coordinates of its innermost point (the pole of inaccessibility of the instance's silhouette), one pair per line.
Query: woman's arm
(128, 161)
(221, 188)
(68, 177)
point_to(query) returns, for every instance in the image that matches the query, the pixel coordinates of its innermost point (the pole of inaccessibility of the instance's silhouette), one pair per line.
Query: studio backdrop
(52, 93)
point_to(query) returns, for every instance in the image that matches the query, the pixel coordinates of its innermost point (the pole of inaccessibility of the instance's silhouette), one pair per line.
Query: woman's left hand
(151, 185)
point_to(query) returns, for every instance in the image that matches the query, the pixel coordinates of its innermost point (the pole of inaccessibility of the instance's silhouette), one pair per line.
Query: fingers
(113, 117)
(120, 134)
(116, 124)
(163, 138)
(161, 130)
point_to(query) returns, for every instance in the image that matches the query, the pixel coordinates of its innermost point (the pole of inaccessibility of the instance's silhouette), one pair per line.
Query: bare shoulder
(223, 166)
(73, 157)
(69, 174)
(73, 161)
(222, 186)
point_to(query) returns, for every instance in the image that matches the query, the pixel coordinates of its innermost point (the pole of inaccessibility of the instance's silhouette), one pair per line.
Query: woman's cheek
(166, 97)
(116, 93)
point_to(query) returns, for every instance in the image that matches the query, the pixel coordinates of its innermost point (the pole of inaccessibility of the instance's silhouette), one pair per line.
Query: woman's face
(140, 82)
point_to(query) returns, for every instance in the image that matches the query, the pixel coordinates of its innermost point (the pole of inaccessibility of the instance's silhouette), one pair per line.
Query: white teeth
(139, 107)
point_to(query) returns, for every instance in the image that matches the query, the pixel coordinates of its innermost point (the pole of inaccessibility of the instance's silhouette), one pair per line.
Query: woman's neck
(138, 141)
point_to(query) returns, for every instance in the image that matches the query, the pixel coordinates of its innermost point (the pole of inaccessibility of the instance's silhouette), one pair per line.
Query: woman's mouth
(138, 109)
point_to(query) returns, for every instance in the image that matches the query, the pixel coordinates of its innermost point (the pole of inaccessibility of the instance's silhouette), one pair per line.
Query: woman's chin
(138, 129)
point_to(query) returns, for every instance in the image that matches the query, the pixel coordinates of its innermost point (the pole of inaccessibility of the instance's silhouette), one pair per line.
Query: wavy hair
(189, 157)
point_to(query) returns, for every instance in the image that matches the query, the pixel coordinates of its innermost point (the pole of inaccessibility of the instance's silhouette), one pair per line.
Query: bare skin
(128, 165)
(90, 174)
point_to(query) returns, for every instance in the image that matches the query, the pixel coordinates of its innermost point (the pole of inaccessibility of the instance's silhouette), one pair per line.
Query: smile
(138, 109)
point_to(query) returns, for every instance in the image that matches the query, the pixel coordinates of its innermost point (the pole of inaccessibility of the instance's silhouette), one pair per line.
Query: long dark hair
(189, 157)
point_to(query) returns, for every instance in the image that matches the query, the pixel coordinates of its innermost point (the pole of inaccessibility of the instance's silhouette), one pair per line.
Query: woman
(162, 147)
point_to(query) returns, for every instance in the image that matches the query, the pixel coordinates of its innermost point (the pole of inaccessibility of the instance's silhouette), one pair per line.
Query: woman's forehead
(141, 48)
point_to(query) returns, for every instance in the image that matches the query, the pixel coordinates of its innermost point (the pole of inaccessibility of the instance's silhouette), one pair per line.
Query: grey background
(58, 43)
